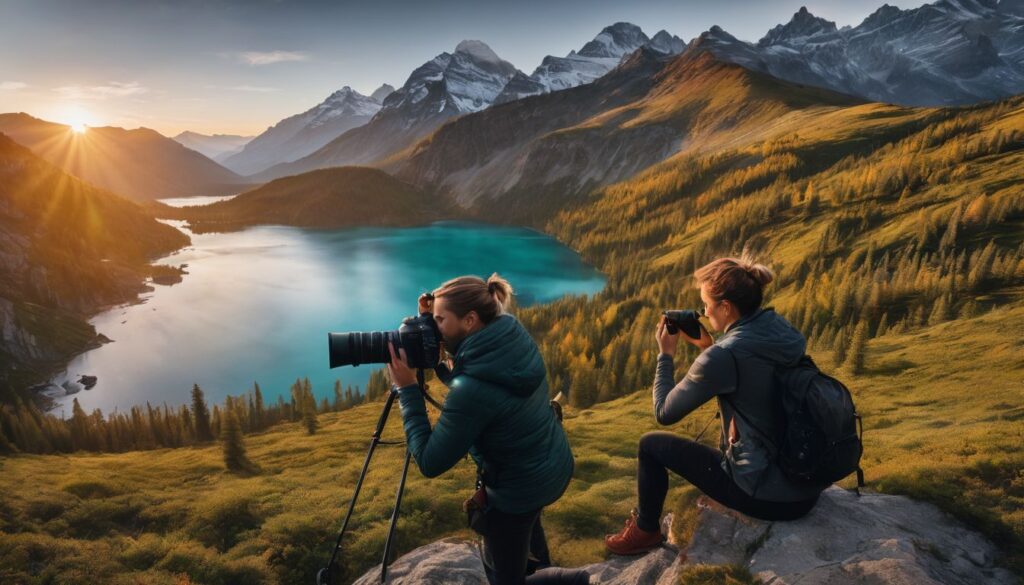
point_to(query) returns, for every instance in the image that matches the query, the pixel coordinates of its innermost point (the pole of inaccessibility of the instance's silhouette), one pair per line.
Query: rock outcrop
(846, 540)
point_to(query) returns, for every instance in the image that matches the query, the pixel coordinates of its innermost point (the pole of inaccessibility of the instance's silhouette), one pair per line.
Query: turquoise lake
(256, 305)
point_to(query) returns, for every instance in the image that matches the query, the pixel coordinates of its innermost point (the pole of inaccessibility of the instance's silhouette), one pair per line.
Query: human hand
(667, 342)
(703, 342)
(426, 303)
(398, 370)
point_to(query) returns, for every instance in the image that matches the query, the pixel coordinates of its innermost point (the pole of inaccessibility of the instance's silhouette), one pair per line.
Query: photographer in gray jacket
(738, 369)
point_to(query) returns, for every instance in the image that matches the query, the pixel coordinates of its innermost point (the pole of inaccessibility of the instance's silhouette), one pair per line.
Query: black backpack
(821, 440)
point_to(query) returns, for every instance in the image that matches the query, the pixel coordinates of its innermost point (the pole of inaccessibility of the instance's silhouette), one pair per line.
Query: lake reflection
(257, 305)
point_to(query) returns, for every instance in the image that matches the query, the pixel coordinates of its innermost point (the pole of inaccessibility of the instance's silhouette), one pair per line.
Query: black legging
(509, 539)
(701, 466)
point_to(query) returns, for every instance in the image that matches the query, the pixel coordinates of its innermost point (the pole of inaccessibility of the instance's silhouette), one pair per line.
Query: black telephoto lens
(418, 336)
(356, 348)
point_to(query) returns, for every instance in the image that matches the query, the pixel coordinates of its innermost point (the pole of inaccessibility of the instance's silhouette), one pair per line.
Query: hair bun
(500, 289)
(760, 273)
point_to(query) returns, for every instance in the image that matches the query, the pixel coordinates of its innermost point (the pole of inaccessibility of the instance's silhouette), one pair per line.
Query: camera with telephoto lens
(418, 335)
(687, 321)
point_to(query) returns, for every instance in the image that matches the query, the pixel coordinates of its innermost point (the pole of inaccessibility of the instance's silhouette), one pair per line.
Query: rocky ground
(846, 540)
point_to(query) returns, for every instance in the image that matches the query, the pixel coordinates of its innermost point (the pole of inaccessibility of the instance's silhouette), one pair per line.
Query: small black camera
(418, 335)
(687, 321)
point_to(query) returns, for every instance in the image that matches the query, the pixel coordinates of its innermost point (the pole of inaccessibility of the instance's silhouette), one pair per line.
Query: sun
(75, 117)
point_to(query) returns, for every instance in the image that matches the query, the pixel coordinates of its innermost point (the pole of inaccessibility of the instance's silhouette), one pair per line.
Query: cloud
(101, 92)
(12, 85)
(255, 88)
(270, 57)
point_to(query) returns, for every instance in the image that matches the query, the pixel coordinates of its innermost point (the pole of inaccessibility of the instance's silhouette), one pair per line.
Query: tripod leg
(394, 518)
(324, 576)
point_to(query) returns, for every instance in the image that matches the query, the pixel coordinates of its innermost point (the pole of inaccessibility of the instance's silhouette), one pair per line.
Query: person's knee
(651, 443)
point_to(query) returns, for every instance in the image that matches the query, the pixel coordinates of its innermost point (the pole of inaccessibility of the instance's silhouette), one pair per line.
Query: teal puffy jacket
(498, 411)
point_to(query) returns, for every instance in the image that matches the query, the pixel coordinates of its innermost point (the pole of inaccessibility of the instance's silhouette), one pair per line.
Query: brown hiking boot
(632, 540)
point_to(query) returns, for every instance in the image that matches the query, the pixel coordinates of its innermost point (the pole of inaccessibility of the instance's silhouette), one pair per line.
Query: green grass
(157, 516)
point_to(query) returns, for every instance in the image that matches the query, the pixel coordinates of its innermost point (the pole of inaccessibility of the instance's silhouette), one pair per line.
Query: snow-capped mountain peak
(477, 50)
(615, 41)
(666, 43)
(382, 92)
(945, 53)
(344, 102)
(466, 80)
(596, 58)
(302, 134)
(801, 28)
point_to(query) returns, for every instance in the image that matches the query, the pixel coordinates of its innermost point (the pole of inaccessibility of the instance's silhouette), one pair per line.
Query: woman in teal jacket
(498, 411)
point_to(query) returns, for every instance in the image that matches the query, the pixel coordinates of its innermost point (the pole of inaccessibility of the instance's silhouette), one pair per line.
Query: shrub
(296, 546)
(219, 521)
(91, 488)
(96, 518)
(144, 552)
(203, 565)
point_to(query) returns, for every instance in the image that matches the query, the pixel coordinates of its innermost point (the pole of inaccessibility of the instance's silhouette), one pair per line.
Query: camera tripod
(323, 577)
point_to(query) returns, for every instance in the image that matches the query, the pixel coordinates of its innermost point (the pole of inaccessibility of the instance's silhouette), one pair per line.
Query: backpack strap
(860, 471)
(771, 440)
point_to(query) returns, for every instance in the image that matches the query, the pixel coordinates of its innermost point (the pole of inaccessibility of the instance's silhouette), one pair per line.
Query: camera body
(683, 320)
(418, 335)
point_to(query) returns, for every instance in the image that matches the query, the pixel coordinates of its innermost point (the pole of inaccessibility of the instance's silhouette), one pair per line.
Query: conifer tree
(858, 348)
(79, 427)
(940, 312)
(339, 399)
(883, 325)
(201, 415)
(216, 421)
(309, 417)
(296, 400)
(261, 415)
(839, 349)
(235, 458)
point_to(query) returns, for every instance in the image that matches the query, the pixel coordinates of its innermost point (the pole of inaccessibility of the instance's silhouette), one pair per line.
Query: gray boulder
(445, 562)
(849, 539)
(846, 540)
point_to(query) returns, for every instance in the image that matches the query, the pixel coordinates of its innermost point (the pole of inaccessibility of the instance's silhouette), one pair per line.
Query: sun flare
(79, 127)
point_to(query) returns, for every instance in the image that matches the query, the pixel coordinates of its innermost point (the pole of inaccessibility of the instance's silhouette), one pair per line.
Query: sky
(238, 67)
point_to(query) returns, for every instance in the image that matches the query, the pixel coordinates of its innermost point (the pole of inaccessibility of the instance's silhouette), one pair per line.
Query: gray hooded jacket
(738, 369)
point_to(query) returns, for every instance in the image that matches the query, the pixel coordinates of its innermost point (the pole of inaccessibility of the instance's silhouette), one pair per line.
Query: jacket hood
(502, 353)
(767, 334)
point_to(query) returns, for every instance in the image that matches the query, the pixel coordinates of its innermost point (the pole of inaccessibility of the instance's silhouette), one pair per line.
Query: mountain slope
(326, 198)
(216, 147)
(140, 164)
(301, 134)
(67, 250)
(532, 155)
(449, 85)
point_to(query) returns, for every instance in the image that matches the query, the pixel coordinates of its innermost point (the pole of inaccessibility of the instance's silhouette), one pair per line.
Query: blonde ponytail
(489, 298)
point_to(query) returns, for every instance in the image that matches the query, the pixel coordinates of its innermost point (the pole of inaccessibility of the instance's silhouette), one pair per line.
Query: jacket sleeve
(462, 420)
(712, 373)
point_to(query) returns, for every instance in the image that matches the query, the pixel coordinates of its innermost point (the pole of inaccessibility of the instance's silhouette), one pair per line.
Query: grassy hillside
(154, 516)
(520, 161)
